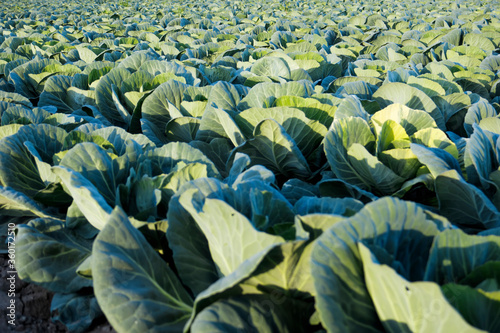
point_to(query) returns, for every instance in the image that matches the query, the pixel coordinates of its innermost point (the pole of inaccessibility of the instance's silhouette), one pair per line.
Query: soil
(33, 307)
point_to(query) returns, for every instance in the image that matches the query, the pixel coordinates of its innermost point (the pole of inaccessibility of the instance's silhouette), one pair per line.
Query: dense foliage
(269, 166)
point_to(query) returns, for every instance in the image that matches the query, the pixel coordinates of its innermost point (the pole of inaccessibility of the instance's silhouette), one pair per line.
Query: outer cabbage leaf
(104, 95)
(49, 254)
(325, 205)
(120, 138)
(96, 165)
(455, 255)
(183, 129)
(216, 123)
(271, 67)
(411, 120)
(306, 133)
(312, 108)
(231, 236)
(133, 62)
(294, 189)
(88, 199)
(8, 130)
(135, 288)
(167, 157)
(343, 134)
(264, 94)
(375, 174)
(478, 307)
(346, 149)
(436, 160)
(481, 158)
(411, 97)
(253, 313)
(400, 234)
(18, 169)
(58, 92)
(13, 203)
(273, 148)
(224, 95)
(218, 151)
(265, 206)
(190, 249)
(76, 311)
(477, 112)
(281, 272)
(351, 107)
(451, 104)
(464, 204)
(28, 78)
(412, 313)
(164, 103)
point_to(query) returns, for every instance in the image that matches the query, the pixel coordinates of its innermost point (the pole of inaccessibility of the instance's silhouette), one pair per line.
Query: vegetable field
(254, 166)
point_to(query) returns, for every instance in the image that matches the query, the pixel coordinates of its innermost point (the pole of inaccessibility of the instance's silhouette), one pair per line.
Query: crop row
(257, 166)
